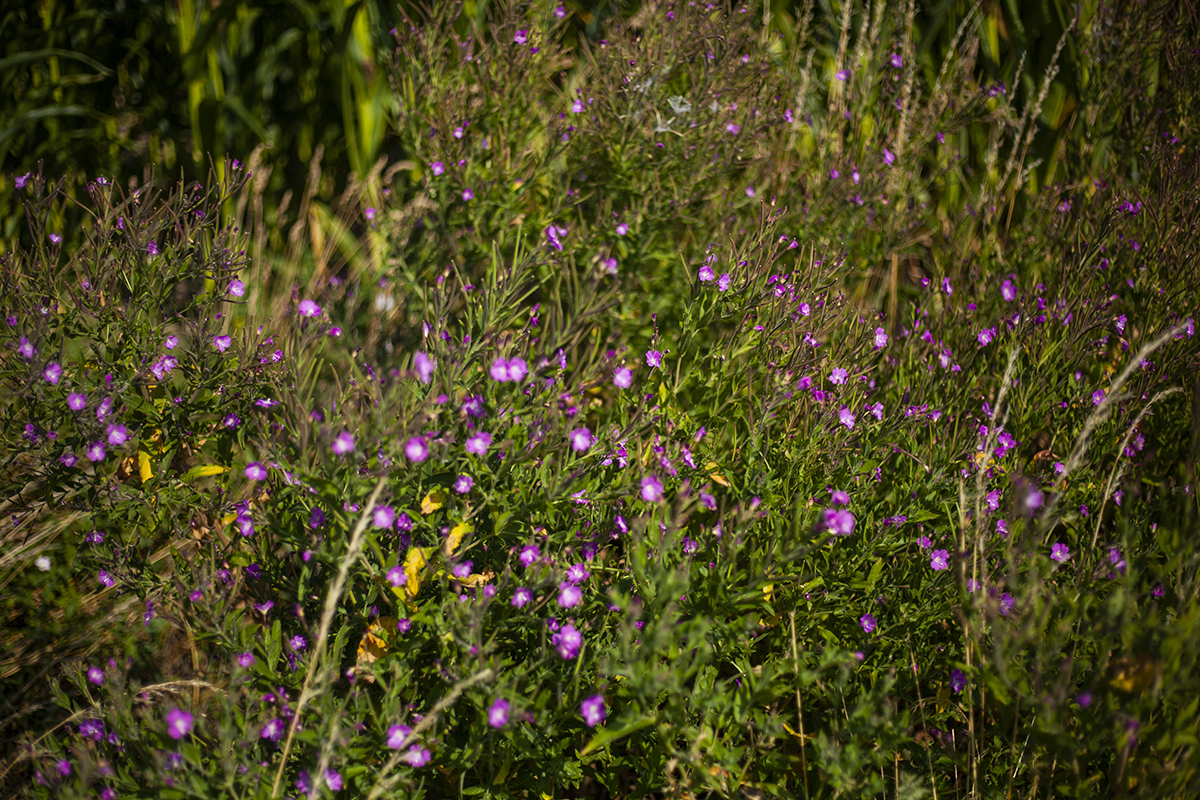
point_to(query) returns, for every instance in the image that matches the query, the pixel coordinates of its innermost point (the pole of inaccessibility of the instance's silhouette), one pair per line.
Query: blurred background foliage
(116, 87)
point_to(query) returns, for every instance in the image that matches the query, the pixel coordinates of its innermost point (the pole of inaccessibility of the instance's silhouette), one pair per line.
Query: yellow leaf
(414, 568)
(144, 466)
(803, 739)
(456, 536)
(433, 501)
(1133, 675)
(717, 477)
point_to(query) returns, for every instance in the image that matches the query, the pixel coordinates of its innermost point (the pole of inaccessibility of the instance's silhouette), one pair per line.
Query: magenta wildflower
(467, 196)
(26, 349)
(418, 756)
(96, 451)
(1060, 552)
(416, 450)
(498, 713)
(222, 342)
(529, 554)
(52, 373)
(623, 378)
(106, 579)
(592, 710)
(478, 444)
(256, 471)
(396, 576)
(958, 680)
(839, 522)
(842, 75)
(569, 641)
(95, 675)
(117, 434)
(723, 282)
(881, 338)
(344, 443)
(76, 401)
(463, 484)
(521, 597)
(179, 723)
(309, 308)
(622, 229)
(569, 595)
(397, 734)
(897, 61)
(581, 440)
(384, 517)
(889, 157)
(1097, 397)
(425, 366)
(846, 418)
(707, 274)
(838, 376)
(939, 560)
(652, 489)
(654, 358)
(868, 622)
(521, 36)
(245, 660)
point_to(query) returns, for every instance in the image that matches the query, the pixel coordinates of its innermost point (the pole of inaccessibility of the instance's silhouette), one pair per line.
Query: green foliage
(601, 467)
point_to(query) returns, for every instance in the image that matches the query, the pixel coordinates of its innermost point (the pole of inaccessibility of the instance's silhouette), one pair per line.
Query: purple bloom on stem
(897, 61)
(52, 373)
(1097, 397)
(477, 445)
(707, 274)
(569, 595)
(652, 490)
(308, 308)
(222, 342)
(654, 358)
(463, 484)
(839, 498)
(333, 780)
(418, 756)
(179, 723)
(245, 660)
(26, 349)
(622, 229)
(939, 560)
(889, 157)
(839, 522)
(498, 713)
(623, 378)
(846, 418)
(723, 282)
(76, 401)
(467, 196)
(842, 75)
(256, 471)
(1060, 552)
(117, 434)
(838, 376)
(529, 554)
(881, 338)
(96, 451)
(384, 517)
(581, 439)
(520, 37)
(867, 621)
(396, 576)
(95, 675)
(107, 579)
(416, 450)
(1007, 603)
(958, 680)
(344, 443)
(569, 641)
(592, 710)
(521, 597)
(396, 736)
(425, 366)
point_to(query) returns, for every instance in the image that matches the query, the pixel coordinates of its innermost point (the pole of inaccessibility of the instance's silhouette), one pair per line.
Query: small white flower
(42, 563)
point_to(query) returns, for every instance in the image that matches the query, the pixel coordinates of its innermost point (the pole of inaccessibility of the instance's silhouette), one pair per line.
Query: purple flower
(897, 61)
(1007, 603)
(504, 370)
(521, 36)
(592, 710)
(846, 418)
(732, 128)
(92, 729)
(63, 768)
(622, 229)
(418, 756)
(96, 451)
(958, 680)
(467, 196)
(939, 560)
(889, 157)
(569, 595)
(95, 675)
(26, 349)
(416, 450)
(529, 554)
(478, 444)
(106, 579)
(1008, 291)
(521, 597)
(881, 338)
(222, 342)
(396, 736)
(343, 444)
(842, 75)
(117, 434)
(838, 376)
(623, 378)
(707, 274)
(298, 642)
(581, 439)
(1097, 397)
(498, 713)
(652, 490)
(554, 234)
(179, 723)
(245, 660)
(463, 484)
(868, 622)
(333, 780)
(569, 641)
(309, 308)
(396, 576)
(256, 471)
(76, 401)
(425, 366)
(273, 730)
(52, 373)
(1060, 552)
(437, 168)
(839, 498)
(654, 358)
(839, 522)
(986, 336)
(723, 282)
(384, 516)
